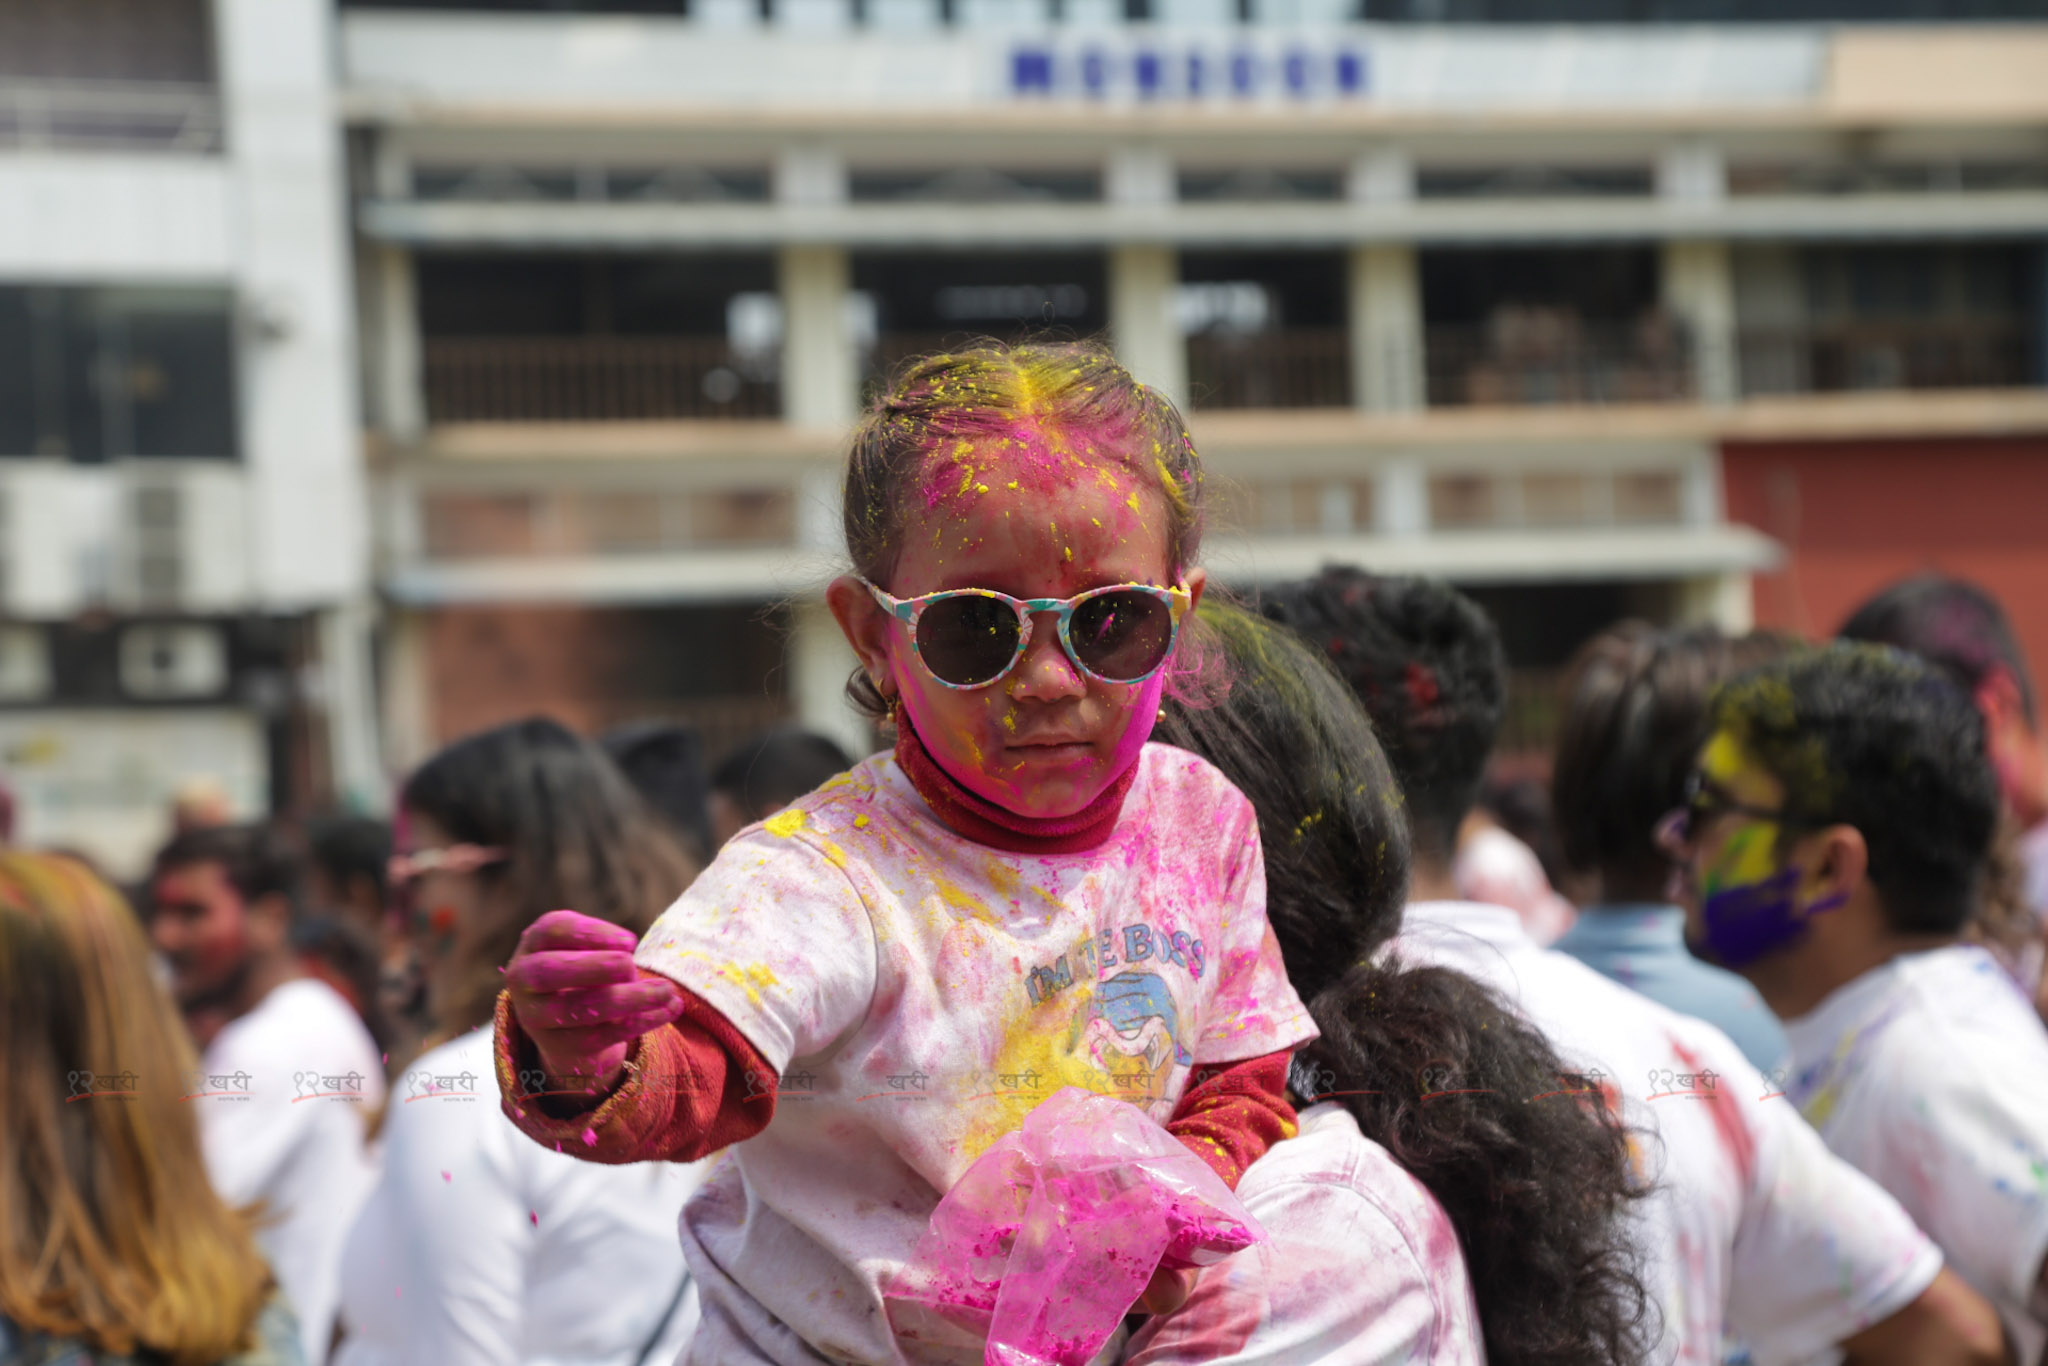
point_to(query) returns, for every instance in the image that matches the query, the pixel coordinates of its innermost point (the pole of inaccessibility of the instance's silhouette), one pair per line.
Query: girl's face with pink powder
(1045, 739)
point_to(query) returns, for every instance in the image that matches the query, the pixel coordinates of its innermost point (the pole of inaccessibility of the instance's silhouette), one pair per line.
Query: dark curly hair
(1873, 737)
(1428, 664)
(1534, 1180)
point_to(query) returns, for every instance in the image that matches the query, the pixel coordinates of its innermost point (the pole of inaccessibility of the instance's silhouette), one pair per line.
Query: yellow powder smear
(785, 823)
(860, 822)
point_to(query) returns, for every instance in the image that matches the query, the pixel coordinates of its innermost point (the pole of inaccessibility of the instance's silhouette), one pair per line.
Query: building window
(105, 374)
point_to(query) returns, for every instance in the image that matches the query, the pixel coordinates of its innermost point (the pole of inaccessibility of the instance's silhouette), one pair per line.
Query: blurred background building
(1690, 309)
(184, 568)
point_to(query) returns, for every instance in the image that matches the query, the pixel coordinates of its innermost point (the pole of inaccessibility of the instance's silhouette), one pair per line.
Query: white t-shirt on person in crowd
(919, 994)
(480, 1247)
(1753, 1229)
(1360, 1267)
(284, 1107)
(1930, 1074)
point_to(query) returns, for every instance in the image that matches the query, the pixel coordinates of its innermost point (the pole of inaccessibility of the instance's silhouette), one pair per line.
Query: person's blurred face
(443, 914)
(201, 926)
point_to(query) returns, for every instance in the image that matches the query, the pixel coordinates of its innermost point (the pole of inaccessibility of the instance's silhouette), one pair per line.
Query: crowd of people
(1727, 1046)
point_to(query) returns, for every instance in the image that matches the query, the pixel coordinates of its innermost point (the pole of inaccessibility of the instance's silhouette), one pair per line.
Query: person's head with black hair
(506, 825)
(222, 902)
(1427, 663)
(1535, 1191)
(664, 760)
(346, 861)
(1635, 712)
(766, 774)
(1841, 812)
(1962, 630)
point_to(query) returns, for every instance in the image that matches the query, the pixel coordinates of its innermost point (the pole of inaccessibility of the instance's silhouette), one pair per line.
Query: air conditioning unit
(24, 663)
(174, 663)
(183, 540)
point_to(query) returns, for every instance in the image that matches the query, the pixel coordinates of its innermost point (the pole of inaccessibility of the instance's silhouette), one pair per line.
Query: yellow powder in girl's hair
(785, 823)
(860, 822)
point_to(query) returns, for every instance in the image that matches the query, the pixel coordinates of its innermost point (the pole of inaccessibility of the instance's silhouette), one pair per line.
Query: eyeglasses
(970, 637)
(401, 869)
(1704, 800)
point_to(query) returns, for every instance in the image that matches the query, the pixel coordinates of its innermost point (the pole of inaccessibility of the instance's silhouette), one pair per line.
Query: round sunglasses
(971, 637)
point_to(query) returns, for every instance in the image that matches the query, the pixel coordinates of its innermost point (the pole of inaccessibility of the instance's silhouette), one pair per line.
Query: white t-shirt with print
(1931, 1075)
(919, 994)
(302, 1077)
(1753, 1229)
(480, 1247)
(1361, 1267)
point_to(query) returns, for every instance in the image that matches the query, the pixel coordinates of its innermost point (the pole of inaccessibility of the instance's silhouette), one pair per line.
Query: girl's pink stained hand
(583, 1001)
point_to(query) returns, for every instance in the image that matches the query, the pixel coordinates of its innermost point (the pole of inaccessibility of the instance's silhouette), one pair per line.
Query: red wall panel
(1854, 516)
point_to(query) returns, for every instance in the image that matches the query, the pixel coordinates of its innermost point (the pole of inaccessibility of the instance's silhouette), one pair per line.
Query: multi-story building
(183, 555)
(1721, 320)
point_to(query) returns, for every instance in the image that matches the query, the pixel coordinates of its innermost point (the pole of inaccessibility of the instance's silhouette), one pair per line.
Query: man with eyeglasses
(1834, 841)
(1751, 1228)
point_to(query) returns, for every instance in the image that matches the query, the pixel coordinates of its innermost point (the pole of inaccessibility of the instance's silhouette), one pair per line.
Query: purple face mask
(1744, 923)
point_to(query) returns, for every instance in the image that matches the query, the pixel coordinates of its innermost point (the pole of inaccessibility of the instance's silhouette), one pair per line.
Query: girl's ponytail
(1526, 1158)
(1531, 1167)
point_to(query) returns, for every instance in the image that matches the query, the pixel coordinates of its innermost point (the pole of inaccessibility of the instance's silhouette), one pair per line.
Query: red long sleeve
(691, 1088)
(1234, 1112)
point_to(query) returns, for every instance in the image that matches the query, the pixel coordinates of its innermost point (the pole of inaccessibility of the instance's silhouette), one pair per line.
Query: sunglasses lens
(967, 640)
(1121, 636)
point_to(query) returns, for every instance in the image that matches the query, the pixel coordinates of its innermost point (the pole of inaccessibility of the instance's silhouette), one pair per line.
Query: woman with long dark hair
(1448, 1154)
(479, 1245)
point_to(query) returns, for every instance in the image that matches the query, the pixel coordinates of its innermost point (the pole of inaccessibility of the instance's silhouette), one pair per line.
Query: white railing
(129, 115)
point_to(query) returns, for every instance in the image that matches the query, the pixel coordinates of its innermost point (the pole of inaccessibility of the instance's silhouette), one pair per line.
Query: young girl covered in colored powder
(868, 989)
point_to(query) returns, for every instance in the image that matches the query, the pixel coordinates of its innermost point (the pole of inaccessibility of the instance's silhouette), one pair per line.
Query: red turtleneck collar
(978, 819)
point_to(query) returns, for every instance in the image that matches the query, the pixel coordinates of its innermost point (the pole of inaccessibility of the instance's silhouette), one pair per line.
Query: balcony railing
(1299, 369)
(1533, 357)
(594, 379)
(1906, 355)
(130, 115)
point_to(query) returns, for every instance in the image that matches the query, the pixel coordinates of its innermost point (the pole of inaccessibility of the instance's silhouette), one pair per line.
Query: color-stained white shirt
(1361, 1267)
(1754, 1229)
(284, 1103)
(480, 1247)
(919, 993)
(1931, 1075)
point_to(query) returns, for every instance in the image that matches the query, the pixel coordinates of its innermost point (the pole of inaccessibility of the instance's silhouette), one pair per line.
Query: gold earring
(1162, 713)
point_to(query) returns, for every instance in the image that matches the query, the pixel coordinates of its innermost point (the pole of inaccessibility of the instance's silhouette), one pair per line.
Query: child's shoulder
(1186, 794)
(852, 802)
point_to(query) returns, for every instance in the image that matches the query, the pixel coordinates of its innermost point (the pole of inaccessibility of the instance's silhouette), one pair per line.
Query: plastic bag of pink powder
(1041, 1248)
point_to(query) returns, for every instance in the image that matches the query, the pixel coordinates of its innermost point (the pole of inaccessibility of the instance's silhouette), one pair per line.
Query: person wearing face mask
(291, 1129)
(1752, 1230)
(1834, 839)
(478, 1246)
